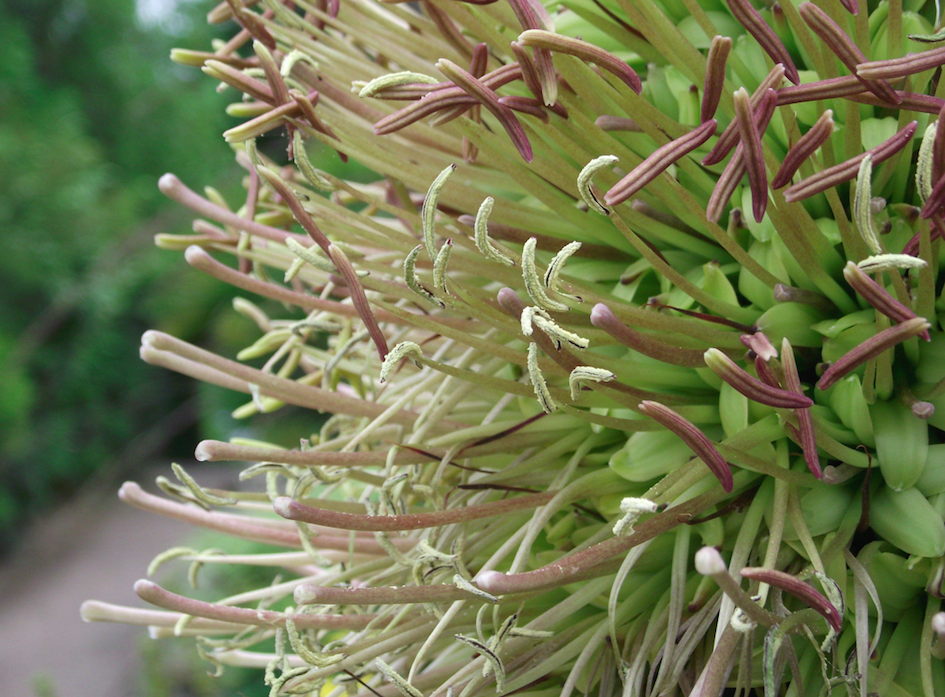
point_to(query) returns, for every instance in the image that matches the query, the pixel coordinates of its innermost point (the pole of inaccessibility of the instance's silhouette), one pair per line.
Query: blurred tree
(92, 112)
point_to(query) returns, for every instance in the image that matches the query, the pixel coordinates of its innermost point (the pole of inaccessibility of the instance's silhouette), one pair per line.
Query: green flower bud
(902, 443)
(897, 585)
(932, 480)
(848, 403)
(907, 520)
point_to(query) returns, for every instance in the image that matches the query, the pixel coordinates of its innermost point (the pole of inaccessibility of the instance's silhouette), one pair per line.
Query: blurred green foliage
(92, 112)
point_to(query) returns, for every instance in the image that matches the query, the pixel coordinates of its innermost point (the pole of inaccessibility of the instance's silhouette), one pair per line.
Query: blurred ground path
(93, 547)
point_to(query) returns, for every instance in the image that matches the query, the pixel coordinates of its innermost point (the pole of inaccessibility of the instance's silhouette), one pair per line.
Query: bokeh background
(92, 112)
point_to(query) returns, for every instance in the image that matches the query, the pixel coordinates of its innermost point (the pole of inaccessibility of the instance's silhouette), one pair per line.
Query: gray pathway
(93, 547)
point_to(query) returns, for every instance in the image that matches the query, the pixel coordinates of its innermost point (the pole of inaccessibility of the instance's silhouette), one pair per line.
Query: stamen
(97, 611)
(895, 68)
(308, 170)
(294, 510)
(877, 296)
(844, 48)
(862, 209)
(754, 157)
(314, 594)
(447, 97)
(483, 243)
(467, 586)
(806, 146)
(586, 373)
(531, 14)
(493, 660)
(529, 71)
(199, 493)
(239, 80)
(935, 201)
(410, 277)
(617, 123)
(526, 105)
(584, 181)
(553, 272)
(404, 687)
(537, 317)
(805, 421)
(658, 162)
(603, 317)
(440, 264)
(760, 344)
(533, 282)
(385, 82)
(831, 88)
(632, 508)
(154, 594)
(295, 205)
(752, 387)
(714, 76)
(490, 100)
(908, 101)
(938, 147)
(310, 257)
(845, 171)
(884, 262)
(252, 23)
(538, 380)
(307, 104)
(557, 43)
(692, 436)
(400, 352)
(317, 659)
(729, 138)
(738, 165)
(428, 210)
(276, 82)
(709, 562)
(872, 347)
(219, 451)
(749, 18)
(272, 119)
(358, 298)
(924, 176)
(798, 589)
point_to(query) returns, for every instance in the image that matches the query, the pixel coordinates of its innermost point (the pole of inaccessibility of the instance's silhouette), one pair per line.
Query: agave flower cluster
(632, 349)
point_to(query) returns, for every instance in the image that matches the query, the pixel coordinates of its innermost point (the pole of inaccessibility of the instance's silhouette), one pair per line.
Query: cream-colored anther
(533, 280)
(538, 381)
(586, 373)
(483, 243)
(584, 181)
(397, 354)
(428, 210)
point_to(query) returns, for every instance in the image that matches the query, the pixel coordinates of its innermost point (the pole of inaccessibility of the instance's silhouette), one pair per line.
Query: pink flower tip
(194, 254)
(149, 337)
(167, 183)
(489, 581)
(305, 594)
(282, 506)
(709, 562)
(600, 314)
(201, 452)
(143, 585)
(128, 490)
(88, 611)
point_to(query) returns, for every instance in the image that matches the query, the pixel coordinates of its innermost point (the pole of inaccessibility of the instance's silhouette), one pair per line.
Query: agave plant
(632, 349)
